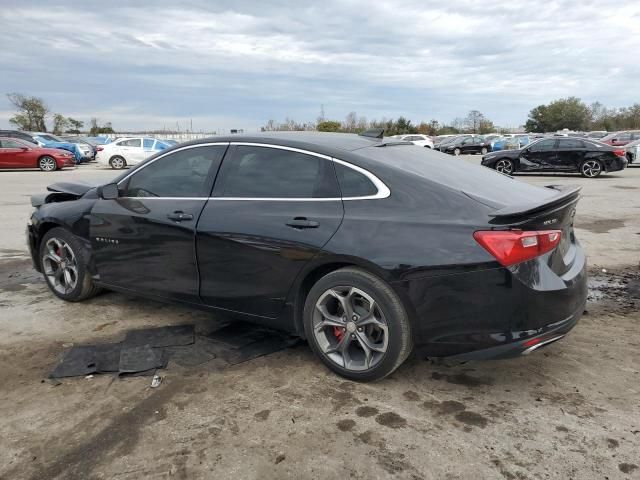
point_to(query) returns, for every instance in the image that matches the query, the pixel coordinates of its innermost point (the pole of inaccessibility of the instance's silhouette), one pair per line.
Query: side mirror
(108, 192)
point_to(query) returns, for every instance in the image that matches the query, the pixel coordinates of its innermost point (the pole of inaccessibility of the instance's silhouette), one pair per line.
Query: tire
(456, 151)
(591, 168)
(484, 150)
(387, 331)
(72, 287)
(117, 162)
(505, 165)
(47, 163)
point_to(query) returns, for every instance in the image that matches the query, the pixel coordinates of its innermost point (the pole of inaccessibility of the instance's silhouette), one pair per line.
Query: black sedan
(466, 145)
(364, 246)
(588, 157)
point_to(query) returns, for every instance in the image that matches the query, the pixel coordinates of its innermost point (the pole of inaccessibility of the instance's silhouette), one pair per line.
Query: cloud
(243, 62)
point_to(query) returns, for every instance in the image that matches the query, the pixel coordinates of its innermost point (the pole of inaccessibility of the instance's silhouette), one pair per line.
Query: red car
(618, 139)
(15, 153)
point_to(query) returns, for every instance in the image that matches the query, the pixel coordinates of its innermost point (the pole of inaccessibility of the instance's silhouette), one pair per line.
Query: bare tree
(32, 112)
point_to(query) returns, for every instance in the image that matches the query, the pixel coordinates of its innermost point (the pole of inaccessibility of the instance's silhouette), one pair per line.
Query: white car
(129, 151)
(416, 139)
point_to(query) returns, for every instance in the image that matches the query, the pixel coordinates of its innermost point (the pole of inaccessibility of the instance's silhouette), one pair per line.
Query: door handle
(301, 223)
(179, 216)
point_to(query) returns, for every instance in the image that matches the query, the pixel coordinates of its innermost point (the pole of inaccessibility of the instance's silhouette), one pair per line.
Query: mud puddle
(616, 291)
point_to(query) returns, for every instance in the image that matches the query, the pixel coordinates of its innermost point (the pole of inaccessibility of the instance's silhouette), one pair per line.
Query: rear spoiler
(565, 196)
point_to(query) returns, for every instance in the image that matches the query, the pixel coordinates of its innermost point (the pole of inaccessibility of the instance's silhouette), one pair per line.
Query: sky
(219, 65)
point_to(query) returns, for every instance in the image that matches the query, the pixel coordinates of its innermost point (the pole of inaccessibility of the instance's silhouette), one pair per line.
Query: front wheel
(484, 150)
(117, 163)
(47, 164)
(456, 151)
(505, 166)
(63, 261)
(357, 325)
(591, 168)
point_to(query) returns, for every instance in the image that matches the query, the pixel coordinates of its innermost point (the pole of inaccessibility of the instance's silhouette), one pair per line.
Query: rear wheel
(117, 163)
(506, 166)
(483, 150)
(456, 151)
(591, 168)
(63, 260)
(47, 164)
(357, 325)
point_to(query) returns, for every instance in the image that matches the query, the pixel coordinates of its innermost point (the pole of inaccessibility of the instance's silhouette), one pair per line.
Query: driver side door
(538, 156)
(144, 240)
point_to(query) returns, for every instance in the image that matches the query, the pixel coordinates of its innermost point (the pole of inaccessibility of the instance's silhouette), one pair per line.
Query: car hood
(72, 188)
(502, 153)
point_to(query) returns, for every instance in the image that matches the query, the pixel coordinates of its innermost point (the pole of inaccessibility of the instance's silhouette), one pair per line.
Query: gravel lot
(571, 410)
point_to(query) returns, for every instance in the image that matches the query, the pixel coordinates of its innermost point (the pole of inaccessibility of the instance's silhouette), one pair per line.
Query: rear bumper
(496, 312)
(549, 334)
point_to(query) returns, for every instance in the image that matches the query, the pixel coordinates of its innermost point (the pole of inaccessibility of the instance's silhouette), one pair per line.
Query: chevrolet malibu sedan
(365, 246)
(590, 158)
(15, 153)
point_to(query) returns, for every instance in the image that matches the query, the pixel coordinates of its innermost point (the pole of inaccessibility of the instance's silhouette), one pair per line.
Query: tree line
(32, 114)
(574, 114)
(474, 122)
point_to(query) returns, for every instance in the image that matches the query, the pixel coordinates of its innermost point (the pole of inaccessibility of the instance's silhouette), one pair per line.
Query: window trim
(382, 190)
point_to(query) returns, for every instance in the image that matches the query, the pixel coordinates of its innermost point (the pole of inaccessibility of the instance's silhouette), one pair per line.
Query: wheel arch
(308, 278)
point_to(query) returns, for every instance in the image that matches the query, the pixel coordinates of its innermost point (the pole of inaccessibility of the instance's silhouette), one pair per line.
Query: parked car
(20, 135)
(416, 139)
(364, 251)
(18, 153)
(597, 134)
(51, 141)
(511, 142)
(88, 150)
(618, 139)
(440, 144)
(633, 152)
(129, 151)
(561, 154)
(466, 145)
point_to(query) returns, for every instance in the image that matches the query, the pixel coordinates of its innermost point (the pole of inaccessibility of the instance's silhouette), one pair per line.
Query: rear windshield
(457, 174)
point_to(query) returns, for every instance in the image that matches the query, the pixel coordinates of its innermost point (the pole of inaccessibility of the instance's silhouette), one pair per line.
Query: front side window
(543, 146)
(186, 173)
(263, 172)
(6, 143)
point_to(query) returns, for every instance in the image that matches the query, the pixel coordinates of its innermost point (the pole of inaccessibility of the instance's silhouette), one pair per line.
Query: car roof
(320, 142)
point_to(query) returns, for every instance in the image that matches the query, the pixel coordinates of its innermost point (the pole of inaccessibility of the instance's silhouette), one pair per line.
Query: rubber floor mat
(161, 337)
(84, 360)
(140, 359)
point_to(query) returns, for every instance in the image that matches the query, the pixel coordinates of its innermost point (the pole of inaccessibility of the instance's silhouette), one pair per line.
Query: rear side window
(263, 172)
(353, 183)
(186, 173)
(148, 143)
(571, 143)
(134, 142)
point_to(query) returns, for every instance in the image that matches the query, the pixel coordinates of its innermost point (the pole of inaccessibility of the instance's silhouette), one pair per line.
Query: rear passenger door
(273, 208)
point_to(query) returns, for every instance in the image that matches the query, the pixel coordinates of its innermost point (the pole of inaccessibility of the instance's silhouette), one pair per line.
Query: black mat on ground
(144, 351)
(161, 337)
(87, 359)
(138, 359)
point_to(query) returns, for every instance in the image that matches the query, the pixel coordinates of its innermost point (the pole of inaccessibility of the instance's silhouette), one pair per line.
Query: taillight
(619, 153)
(514, 246)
